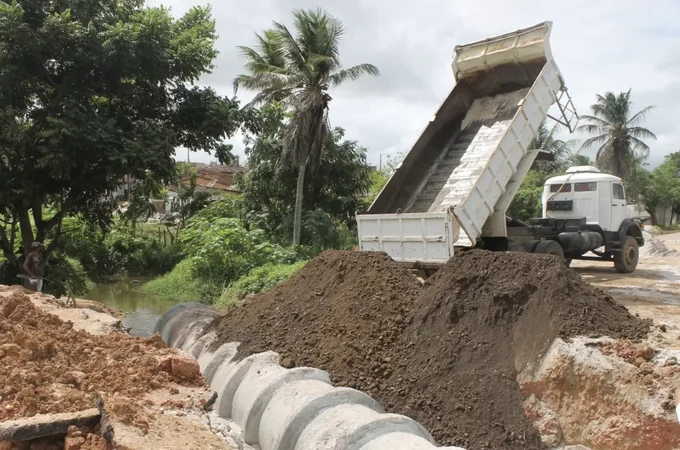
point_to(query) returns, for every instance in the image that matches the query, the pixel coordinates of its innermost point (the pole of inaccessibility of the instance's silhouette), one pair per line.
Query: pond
(142, 310)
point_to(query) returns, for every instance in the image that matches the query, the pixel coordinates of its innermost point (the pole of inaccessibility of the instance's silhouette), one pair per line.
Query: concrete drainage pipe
(286, 409)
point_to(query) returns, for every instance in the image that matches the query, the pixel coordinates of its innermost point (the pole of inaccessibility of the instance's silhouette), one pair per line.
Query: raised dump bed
(456, 183)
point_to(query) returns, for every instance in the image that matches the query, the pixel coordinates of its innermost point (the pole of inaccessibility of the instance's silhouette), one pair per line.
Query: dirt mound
(48, 367)
(478, 321)
(655, 247)
(446, 354)
(343, 312)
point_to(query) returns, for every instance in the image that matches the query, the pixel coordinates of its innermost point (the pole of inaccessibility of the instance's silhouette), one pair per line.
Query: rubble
(48, 367)
(605, 394)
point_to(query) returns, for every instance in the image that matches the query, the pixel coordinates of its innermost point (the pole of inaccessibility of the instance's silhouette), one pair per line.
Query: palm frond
(353, 73)
(635, 120)
(594, 120)
(639, 145)
(601, 139)
(641, 133)
(293, 51)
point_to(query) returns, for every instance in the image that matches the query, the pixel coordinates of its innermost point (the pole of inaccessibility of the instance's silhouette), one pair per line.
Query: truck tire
(627, 259)
(548, 247)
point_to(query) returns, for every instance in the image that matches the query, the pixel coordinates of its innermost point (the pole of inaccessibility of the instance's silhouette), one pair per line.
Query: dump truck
(453, 188)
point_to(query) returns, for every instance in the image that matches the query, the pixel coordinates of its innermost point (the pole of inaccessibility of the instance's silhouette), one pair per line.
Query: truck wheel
(548, 247)
(627, 259)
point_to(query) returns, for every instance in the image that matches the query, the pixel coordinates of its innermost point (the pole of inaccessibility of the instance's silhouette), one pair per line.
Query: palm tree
(578, 159)
(299, 70)
(562, 151)
(617, 133)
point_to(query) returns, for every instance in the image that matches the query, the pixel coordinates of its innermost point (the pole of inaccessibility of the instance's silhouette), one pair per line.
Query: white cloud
(604, 45)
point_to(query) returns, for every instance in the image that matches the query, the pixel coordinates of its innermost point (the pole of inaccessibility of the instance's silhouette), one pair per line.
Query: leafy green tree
(527, 202)
(661, 187)
(618, 133)
(381, 176)
(577, 159)
(299, 69)
(332, 195)
(91, 92)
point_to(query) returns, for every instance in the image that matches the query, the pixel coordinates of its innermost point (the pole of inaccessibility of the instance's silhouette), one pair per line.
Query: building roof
(214, 177)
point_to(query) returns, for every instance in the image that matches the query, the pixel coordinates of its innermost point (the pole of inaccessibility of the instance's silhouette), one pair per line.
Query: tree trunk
(27, 237)
(297, 221)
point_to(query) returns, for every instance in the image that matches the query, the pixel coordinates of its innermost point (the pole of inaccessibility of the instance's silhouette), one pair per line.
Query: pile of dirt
(446, 354)
(48, 367)
(343, 312)
(479, 321)
(655, 247)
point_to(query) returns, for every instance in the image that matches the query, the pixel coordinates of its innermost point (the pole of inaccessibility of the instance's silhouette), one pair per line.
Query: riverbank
(71, 374)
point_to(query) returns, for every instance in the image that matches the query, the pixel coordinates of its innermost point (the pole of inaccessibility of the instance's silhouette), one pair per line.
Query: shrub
(121, 251)
(180, 286)
(222, 250)
(63, 269)
(257, 280)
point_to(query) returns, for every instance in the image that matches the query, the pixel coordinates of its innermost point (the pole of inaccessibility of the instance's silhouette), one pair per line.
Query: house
(217, 179)
(214, 178)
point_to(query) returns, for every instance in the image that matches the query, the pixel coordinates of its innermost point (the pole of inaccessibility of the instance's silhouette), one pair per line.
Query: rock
(545, 420)
(10, 349)
(646, 368)
(73, 443)
(74, 378)
(645, 352)
(181, 366)
(287, 363)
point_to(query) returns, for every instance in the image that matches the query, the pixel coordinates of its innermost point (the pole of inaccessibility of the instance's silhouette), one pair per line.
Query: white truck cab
(584, 211)
(584, 191)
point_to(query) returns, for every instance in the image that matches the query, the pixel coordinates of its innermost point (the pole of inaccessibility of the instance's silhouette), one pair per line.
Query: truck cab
(585, 211)
(584, 191)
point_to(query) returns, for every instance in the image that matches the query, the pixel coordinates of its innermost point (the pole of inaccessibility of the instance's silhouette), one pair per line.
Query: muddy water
(142, 311)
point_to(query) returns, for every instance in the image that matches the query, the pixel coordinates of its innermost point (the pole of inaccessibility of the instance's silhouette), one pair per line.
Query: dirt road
(652, 291)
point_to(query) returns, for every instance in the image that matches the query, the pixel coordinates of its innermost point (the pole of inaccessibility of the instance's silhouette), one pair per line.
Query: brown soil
(446, 354)
(343, 312)
(478, 321)
(48, 367)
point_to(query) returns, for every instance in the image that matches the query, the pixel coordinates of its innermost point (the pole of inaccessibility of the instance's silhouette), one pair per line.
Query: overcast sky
(599, 45)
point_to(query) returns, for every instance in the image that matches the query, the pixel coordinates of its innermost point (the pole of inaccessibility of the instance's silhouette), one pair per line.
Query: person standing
(34, 266)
